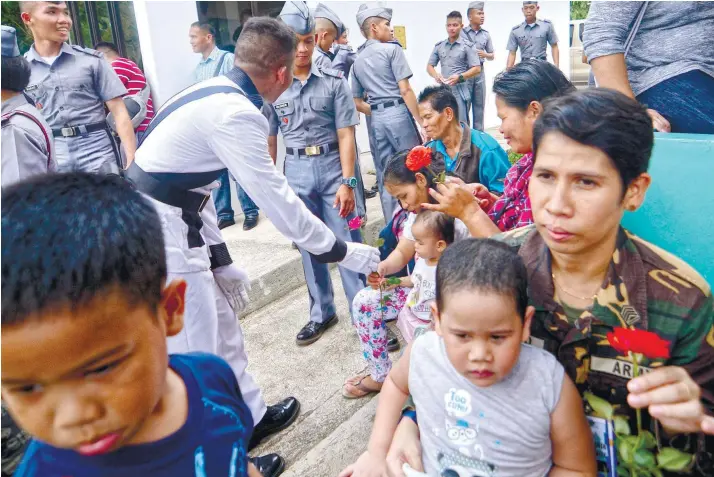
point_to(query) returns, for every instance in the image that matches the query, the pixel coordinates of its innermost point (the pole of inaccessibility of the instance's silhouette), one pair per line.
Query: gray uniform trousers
(392, 130)
(315, 180)
(478, 102)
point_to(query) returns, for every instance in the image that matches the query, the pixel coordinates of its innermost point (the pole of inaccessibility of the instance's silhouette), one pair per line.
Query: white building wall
(166, 53)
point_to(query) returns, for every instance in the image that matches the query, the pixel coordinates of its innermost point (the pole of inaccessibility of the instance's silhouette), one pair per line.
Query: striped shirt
(206, 69)
(134, 81)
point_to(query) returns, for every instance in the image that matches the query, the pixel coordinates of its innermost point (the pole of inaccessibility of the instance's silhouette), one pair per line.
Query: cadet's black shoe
(278, 417)
(250, 223)
(370, 193)
(313, 331)
(223, 223)
(270, 465)
(392, 340)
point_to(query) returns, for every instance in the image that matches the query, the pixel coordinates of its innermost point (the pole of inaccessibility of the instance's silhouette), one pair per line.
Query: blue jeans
(686, 101)
(222, 198)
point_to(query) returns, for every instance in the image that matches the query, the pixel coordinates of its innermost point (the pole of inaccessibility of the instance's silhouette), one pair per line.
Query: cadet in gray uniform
(459, 64)
(483, 46)
(27, 146)
(329, 28)
(70, 85)
(382, 74)
(316, 116)
(531, 37)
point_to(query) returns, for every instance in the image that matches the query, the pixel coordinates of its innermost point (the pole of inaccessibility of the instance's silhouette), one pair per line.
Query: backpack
(390, 236)
(136, 105)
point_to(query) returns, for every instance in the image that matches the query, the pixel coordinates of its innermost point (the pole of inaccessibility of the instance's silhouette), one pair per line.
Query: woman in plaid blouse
(519, 93)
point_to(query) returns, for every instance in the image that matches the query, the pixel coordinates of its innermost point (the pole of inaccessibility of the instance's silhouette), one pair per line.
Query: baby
(487, 404)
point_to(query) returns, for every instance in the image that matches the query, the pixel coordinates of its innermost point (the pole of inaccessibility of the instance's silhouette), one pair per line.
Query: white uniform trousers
(210, 324)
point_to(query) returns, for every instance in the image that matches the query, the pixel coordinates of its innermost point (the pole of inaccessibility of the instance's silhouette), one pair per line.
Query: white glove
(235, 285)
(361, 258)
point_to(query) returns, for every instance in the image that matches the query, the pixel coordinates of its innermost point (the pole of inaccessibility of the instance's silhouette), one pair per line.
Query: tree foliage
(579, 10)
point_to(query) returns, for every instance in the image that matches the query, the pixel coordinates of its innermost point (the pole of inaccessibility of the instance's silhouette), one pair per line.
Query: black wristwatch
(461, 78)
(350, 182)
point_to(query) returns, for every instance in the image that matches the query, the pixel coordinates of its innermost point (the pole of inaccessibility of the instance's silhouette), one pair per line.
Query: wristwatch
(461, 78)
(350, 182)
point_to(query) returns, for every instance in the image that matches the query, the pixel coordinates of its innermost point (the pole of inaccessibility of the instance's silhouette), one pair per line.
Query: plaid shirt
(513, 209)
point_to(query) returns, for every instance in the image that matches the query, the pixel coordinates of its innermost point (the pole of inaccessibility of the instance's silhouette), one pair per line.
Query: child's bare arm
(399, 258)
(390, 406)
(573, 448)
(253, 471)
(391, 399)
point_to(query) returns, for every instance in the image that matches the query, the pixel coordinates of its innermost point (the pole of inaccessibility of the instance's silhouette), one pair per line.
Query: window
(228, 18)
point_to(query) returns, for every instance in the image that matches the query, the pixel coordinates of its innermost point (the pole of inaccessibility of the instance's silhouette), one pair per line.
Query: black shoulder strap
(190, 97)
(220, 63)
(48, 144)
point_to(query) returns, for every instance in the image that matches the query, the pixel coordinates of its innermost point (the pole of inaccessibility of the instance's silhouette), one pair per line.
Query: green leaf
(674, 459)
(647, 440)
(599, 405)
(622, 426)
(393, 281)
(645, 458)
(622, 471)
(656, 472)
(626, 449)
(379, 242)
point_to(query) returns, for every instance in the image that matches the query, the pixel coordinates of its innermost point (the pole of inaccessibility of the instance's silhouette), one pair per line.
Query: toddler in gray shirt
(487, 404)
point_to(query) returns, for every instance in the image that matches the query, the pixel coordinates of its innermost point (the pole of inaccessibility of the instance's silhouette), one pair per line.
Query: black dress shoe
(392, 340)
(370, 193)
(270, 465)
(313, 331)
(223, 223)
(278, 417)
(250, 223)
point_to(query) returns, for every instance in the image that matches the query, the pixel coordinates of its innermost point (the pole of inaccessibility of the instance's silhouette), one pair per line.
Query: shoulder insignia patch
(333, 72)
(88, 51)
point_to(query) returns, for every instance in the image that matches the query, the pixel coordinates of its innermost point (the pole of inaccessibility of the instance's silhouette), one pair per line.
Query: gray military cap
(9, 42)
(530, 3)
(323, 11)
(365, 12)
(475, 6)
(297, 16)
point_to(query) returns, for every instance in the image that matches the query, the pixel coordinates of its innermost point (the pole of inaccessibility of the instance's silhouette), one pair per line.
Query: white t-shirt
(424, 290)
(460, 230)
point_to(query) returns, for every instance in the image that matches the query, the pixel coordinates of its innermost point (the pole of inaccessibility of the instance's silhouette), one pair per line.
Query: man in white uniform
(206, 128)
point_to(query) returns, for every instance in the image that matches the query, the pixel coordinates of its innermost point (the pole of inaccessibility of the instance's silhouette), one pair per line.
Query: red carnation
(418, 158)
(646, 343)
(355, 224)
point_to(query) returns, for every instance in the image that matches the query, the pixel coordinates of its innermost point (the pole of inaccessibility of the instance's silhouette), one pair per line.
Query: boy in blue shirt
(85, 315)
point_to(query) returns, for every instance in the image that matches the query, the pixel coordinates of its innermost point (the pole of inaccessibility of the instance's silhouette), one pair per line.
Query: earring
(631, 208)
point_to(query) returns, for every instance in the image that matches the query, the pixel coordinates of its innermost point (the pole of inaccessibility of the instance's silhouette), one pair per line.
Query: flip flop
(362, 390)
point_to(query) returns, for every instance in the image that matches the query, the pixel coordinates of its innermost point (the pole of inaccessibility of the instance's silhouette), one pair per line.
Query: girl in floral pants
(427, 235)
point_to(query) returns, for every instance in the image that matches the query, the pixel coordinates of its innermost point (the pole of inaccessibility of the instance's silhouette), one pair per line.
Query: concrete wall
(425, 23)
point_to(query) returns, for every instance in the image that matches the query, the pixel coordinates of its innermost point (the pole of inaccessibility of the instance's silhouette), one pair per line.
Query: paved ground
(331, 431)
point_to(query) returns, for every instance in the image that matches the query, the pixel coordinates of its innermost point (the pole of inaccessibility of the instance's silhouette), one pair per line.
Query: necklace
(567, 292)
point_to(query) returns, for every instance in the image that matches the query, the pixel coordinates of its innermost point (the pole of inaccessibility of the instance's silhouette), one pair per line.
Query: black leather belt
(313, 150)
(387, 104)
(165, 192)
(71, 131)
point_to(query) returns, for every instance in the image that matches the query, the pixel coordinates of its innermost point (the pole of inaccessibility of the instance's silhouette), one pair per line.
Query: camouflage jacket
(645, 288)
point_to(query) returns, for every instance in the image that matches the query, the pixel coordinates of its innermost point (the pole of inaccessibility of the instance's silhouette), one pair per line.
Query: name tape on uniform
(615, 367)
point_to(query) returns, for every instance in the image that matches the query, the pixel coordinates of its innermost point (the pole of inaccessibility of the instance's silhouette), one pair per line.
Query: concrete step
(314, 375)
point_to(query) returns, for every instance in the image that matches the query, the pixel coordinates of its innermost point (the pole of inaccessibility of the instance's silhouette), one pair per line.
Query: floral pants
(370, 317)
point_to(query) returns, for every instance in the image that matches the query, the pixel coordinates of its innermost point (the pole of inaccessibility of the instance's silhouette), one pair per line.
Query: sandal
(355, 389)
